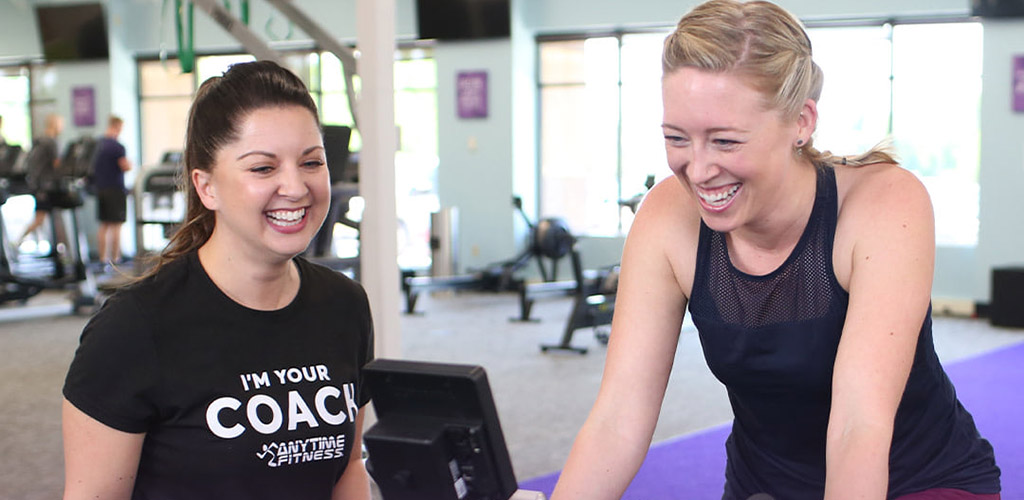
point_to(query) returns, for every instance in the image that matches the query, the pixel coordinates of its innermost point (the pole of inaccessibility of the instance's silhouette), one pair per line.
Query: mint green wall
(19, 36)
(1001, 235)
(475, 172)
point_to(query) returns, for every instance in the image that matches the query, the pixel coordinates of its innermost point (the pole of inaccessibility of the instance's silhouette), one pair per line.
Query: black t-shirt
(41, 173)
(235, 402)
(106, 169)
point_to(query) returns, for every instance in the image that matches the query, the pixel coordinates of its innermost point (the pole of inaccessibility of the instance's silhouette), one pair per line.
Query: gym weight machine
(592, 307)
(549, 239)
(594, 294)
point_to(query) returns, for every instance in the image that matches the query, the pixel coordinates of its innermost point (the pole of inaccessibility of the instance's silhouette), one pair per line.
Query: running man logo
(303, 450)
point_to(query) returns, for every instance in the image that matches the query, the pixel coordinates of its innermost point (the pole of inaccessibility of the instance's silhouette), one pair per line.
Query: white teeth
(721, 198)
(287, 217)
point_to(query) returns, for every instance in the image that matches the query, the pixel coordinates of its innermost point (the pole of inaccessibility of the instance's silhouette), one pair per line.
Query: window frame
(624, 219)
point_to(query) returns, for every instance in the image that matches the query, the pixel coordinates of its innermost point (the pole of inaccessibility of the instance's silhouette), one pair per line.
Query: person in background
(42, 163)
(233, 368)
(807, 275)
(108, 168)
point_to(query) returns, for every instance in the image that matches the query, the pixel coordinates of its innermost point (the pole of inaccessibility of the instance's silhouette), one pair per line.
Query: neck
(767, 241)
(255, 284)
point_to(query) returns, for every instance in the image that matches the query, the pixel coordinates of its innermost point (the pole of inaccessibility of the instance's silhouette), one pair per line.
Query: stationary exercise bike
(593, 305)
(549, 240)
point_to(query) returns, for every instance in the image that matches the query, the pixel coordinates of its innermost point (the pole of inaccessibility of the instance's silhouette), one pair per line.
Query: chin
(288, 250)
(719, 222)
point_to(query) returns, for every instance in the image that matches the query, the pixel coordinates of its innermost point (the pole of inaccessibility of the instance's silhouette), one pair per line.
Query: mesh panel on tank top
(802, 288)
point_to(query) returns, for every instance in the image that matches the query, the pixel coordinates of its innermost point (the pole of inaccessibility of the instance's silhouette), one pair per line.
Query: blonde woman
(807, 275)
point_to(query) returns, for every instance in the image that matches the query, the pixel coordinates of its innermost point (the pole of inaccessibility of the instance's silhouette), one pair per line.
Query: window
(165, 94)
(936, 120)
(600, 128)
(856, 61)
(416, 160)
(920, 84)
(580, 101)
(643, 144)
(14, 106)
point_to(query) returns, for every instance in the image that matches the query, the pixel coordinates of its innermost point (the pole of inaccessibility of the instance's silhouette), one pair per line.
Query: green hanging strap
(268, 26)
(186, 51)
(243, 10)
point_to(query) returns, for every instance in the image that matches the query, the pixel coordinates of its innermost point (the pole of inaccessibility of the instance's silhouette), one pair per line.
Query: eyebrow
(711, 130)
(272, 155)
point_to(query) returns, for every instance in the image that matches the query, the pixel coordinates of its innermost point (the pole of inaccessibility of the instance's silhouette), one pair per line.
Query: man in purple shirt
(109, 166)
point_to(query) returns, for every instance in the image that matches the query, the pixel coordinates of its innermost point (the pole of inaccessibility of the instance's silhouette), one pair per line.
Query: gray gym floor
(542, 399)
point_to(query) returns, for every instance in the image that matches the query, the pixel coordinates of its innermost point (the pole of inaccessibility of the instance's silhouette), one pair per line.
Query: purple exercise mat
(692, 466)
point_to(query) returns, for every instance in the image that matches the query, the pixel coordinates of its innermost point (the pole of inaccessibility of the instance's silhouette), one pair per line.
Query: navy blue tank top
(772, 341)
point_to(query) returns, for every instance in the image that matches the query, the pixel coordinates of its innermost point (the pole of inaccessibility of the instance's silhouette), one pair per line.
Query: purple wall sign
(471, 88)
(1018, 83)
(83, 106)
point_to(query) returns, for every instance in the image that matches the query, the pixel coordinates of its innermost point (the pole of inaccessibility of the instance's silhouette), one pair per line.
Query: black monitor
(437, 435)
(78, 157)
(172, 158)
(997, 8)
(72, 32)
(336, 144)
(463, 19)
(9, 154)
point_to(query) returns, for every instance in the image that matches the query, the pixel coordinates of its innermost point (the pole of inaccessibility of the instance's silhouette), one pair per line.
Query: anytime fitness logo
(228, 417)
(303, 450)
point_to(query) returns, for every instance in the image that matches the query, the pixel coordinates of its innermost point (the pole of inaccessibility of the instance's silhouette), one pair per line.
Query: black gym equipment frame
(343, 166)
(66, 198)
(549, 238)
(593, 294)
(593, 305)
(12, 288)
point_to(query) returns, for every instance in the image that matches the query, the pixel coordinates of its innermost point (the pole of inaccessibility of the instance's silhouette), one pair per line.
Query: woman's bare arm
(99, 462)
(891, 260)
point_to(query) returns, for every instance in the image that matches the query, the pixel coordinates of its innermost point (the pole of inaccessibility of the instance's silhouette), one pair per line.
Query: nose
(292, 183)
(702, 165)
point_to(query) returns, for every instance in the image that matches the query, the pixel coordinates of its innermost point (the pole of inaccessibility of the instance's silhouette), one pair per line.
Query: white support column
(375, 40)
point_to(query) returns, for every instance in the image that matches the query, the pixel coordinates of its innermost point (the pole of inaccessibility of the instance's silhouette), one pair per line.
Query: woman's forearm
(601, 464)
(857, 464)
